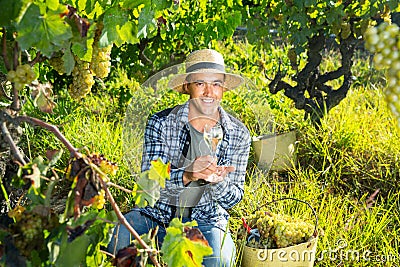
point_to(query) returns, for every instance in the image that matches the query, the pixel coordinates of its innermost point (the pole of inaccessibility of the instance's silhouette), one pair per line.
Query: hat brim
(232, 81)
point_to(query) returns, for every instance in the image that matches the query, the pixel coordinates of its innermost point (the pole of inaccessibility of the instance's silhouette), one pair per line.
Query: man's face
(205, 90)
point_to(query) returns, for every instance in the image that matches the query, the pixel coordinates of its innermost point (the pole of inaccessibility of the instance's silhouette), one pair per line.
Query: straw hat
(205, 61)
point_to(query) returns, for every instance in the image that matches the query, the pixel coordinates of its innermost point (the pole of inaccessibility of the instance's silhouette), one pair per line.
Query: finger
(212, 168)
(226, 168)
(200, 175)
(210, 158)
(214, 179)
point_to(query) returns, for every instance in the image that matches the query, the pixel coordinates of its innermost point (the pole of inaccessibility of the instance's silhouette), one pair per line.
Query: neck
(199, 121)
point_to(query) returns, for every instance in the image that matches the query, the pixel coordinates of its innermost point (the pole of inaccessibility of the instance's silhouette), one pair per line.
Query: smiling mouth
(208, 100)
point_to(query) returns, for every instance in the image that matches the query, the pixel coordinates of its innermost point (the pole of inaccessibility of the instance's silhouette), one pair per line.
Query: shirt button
(187, 142)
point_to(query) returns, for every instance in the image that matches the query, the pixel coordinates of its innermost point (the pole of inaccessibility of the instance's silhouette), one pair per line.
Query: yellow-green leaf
(159, 171)
(178, 250)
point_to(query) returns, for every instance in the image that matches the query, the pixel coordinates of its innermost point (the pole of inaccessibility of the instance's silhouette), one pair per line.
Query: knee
(224, 253)
(120, 238)
(220, 260)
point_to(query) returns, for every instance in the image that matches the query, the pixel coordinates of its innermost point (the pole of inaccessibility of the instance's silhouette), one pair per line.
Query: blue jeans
(221, 242)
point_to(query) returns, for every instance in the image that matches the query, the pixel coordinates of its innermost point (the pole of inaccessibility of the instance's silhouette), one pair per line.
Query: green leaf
(10, 11)
(178, 250)
(69, 61)
(116, 29)
(147, 25)
(203, 5)
(82, 4)
(43, 167)
(46, 32)
(74, 253)
(128, 32)
(159, 171)
(99, 232)
(161, 4)
(53, 4)
(35, 197)
(83, 49)
(96, 11)
(54, 250)
(234, 20)
(135, 3)
(147, 190)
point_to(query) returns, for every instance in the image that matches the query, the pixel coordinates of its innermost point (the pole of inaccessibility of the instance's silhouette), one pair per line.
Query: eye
(217, 84)
(199, 84)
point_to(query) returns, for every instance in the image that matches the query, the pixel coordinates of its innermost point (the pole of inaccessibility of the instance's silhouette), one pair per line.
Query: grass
(340, 165)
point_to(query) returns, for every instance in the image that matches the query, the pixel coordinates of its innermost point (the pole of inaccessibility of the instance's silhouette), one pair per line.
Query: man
(202, 186)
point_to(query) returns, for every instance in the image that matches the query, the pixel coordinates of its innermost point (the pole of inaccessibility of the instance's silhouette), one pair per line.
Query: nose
(207, 89)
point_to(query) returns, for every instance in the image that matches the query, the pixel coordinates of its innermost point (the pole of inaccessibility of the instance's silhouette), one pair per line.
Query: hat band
(205, 65)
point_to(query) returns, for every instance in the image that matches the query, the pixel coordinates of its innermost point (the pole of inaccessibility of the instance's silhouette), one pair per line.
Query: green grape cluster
(82, 80)
(28, 230)
(384, 41)
(22, 75)
(278, 231)
(58, 64)
(101, 60)
(29, 233)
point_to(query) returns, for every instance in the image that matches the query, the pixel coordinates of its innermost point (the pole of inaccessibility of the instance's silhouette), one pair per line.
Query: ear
(185, 88)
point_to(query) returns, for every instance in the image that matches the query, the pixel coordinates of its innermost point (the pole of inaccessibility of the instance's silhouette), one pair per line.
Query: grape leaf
(178, 250)
(83, 49)
(96, 11)
(69, 61)
(147, 24)
(147, 190)
(46, 32)
(128, 32)
(117, 28)
(43, 97)
(159, 171)
(134, 3)
(52, 4)
(10, 11)
(161, 4)
(73, 253)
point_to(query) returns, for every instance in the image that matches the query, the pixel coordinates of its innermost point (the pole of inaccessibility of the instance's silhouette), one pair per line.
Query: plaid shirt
(167, 136)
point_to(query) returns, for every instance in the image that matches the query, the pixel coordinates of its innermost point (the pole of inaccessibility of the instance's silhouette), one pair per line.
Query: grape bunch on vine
(384, 41)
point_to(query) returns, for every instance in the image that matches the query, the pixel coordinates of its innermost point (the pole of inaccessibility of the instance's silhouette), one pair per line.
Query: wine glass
(212, 136)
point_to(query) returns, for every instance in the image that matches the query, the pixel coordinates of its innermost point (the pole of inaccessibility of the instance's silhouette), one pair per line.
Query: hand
(201, 168)
(220, 174)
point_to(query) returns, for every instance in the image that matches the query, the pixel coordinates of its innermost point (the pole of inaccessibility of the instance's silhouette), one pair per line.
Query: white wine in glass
(212, 136)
